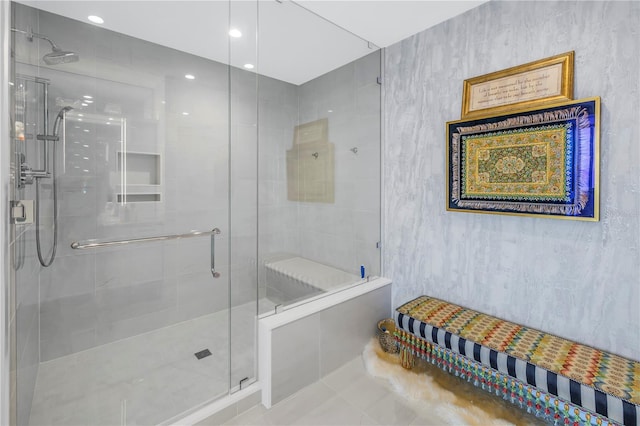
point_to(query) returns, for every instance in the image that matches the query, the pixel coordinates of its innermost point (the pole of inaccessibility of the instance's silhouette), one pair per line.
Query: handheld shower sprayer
(53, 138)
(58, 120)
(50, 138)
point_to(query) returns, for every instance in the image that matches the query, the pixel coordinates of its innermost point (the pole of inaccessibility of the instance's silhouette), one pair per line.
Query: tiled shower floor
(148, 378)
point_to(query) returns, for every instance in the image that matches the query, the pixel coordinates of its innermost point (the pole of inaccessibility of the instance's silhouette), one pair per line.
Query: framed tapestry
(542, 162)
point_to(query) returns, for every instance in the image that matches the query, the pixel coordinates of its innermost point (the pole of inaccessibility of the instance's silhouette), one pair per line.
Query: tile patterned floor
(145, 379)
(348, 396)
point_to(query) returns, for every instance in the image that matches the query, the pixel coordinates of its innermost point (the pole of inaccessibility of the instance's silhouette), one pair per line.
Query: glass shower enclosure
(135, 298)
(176, 173)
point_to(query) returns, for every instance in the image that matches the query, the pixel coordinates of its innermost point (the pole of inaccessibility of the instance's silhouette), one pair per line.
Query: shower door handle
(214, 232)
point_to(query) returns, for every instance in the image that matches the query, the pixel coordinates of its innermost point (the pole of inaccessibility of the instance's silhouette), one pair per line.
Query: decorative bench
(558, 380)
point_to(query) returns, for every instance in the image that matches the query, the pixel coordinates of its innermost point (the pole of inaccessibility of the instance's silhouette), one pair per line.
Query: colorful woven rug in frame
(542, 162)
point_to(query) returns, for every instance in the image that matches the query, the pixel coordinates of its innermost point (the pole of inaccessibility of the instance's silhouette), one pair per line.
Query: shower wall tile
(125, 266)
(27, 372)
(340, 338)
(194, 254)
(544, 273)
(278, 112)
(74, 228)
(69, 276)
(244, 111)
(134, 300)
(244, 152)
(200, 294)
(367, 70)
(89, 298)
(295, 361)
(67, 325)
(350, 98)
(277, 91)
(107, 332)
(243, 289)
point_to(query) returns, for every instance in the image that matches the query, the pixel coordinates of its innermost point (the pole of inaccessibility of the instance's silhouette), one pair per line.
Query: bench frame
(479, 364)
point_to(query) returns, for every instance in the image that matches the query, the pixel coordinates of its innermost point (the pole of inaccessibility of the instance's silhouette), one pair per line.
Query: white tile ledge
(322, 303)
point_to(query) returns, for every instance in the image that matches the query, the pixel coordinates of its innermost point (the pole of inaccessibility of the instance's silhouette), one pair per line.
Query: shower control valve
(27, 174)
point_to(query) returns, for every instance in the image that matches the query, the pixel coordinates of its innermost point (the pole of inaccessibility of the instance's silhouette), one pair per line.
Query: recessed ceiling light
(189, 76)
(110, 118)
(249, 66)
(86, 130)
(234, 32)
(185, 113)
(95, 19)
(88, 97)
(79, 119)
(80, 115)
(88, 101)
(83, 104)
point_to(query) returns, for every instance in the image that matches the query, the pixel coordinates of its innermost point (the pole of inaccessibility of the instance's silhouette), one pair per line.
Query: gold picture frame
(537, 83)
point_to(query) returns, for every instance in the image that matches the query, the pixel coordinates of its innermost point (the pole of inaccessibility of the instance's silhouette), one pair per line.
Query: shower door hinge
(379, 80)
(378, 244)
(22, 212)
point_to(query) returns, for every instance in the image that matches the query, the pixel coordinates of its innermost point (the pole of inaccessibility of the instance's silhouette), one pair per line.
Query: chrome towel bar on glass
(215, 231)
(87, 245)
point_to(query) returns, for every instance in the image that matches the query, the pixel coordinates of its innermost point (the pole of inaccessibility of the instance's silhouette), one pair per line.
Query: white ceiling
(385, 22)
(293, 43)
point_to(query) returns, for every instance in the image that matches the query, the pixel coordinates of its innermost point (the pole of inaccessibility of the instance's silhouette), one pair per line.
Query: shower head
(58, 56)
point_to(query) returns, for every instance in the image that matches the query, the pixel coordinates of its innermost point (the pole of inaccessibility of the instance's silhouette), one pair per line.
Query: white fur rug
(434, 393)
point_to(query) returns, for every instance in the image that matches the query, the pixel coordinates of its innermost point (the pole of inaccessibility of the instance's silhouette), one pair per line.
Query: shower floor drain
(203, 353)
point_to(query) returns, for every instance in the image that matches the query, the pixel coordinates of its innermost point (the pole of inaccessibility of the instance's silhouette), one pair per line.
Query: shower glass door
(145, 313)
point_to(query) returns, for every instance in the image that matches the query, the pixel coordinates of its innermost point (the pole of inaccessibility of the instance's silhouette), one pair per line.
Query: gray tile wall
(344, 234)
(23, 264)
(305, 350)
(88, 298)
(575, 279)
(278, 111)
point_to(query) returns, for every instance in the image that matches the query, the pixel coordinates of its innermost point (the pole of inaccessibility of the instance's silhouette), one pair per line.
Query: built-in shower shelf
(138, 198)
(139, 193)
(140, 177)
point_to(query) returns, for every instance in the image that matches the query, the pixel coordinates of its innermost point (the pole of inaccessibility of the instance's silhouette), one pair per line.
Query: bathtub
(292, 278)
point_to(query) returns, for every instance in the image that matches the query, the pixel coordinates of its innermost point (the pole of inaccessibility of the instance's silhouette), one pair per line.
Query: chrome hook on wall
(354, 150)
(315, 155)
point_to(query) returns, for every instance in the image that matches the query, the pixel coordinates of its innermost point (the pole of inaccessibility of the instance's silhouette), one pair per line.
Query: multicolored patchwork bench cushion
(595, 380)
